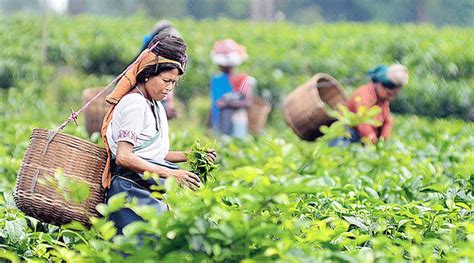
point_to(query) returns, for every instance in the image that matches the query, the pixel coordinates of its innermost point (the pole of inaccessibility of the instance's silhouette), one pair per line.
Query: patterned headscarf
(394, 76)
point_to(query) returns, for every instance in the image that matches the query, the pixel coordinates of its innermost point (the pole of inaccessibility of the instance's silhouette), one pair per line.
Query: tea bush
(274, 197)
(282, 55)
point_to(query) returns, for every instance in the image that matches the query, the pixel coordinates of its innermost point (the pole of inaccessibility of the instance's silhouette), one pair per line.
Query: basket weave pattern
(79, 159)
(304, 107)
(258, 114)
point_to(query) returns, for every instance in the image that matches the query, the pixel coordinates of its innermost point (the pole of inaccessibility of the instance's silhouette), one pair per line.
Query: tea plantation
(274, 197)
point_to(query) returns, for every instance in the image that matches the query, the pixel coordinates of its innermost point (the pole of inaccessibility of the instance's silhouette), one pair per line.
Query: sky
(58, 6)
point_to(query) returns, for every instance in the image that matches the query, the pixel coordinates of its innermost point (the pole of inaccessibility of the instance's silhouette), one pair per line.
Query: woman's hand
(212, 155)
(221, 103)
(186, 178)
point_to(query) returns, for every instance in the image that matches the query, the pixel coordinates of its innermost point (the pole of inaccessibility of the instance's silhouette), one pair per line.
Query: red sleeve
(242, 83)
(364, 96)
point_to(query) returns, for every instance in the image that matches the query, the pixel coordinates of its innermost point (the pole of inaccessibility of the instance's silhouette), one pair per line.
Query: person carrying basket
(135, 130)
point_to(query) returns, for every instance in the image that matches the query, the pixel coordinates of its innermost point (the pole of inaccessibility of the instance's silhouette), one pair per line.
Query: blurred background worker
(230, 92)
(163, 27)
(386, 83)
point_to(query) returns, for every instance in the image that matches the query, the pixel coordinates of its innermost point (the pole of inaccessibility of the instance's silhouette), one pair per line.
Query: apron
(135, 186)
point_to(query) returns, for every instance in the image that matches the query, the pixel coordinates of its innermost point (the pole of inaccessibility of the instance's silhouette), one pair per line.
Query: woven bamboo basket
(258, 114)
(80, 160)
(94, 114)
(304, 108)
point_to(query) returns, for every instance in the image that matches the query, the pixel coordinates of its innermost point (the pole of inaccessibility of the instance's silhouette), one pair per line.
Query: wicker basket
(304, 107)
(258, 114)
(79, 159)
(94, 114)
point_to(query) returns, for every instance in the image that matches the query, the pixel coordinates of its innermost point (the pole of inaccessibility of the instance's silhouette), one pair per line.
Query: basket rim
(65, 136)
(309, 87)
(317, 77)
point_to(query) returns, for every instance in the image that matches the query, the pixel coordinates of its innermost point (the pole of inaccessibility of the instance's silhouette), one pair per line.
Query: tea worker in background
(386, 83)
(135, 130)
(230, 92)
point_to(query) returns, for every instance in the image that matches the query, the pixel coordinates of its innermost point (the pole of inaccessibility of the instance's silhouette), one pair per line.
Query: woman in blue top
(230, 93)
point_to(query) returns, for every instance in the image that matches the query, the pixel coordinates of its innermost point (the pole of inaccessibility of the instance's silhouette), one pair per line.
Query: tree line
(438, 12)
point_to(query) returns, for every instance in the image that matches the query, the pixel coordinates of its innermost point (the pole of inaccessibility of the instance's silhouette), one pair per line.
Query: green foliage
(277, 198)
(200, 161)
(281, 56)
(71, 189)
(281, 199)
(6, 74)
(101, 57)
(346, 119)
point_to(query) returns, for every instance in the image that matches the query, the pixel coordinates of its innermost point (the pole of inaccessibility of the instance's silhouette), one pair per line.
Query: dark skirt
(126, 216)
(343, 141)
(131, 183)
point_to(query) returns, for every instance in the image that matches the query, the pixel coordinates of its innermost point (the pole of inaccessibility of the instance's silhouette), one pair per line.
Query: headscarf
(165, 27)
(228, 53)
(123, 87)
(393, 76)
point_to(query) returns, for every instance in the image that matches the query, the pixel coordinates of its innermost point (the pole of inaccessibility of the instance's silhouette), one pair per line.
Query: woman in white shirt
(135, 130)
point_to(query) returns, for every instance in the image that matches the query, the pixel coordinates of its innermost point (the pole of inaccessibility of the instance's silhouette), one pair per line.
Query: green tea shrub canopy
(281, 55)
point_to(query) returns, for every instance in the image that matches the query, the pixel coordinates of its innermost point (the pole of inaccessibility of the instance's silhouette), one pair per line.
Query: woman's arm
(387, 125)
(364, 96)
(129, 160)
(242, 102)
(176, 156)
(180, 156)
(245, 90)
(126, 158)
(367, 131)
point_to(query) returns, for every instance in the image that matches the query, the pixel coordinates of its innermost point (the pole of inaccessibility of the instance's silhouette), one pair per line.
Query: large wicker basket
(94, 114)
(304, 108)
(258, 114)
(80, 160)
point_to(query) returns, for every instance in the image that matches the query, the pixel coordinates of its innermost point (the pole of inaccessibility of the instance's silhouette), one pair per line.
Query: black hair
(154, 70)
(171, 47)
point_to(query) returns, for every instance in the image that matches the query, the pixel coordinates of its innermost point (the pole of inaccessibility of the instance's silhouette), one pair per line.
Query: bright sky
(57, 5)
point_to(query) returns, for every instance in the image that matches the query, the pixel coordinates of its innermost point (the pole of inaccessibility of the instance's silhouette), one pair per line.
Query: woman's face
(158, 87)
(386, 94)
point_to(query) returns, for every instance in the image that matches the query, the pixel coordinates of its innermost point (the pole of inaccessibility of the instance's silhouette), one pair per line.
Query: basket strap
(75, 114)
(51, 135)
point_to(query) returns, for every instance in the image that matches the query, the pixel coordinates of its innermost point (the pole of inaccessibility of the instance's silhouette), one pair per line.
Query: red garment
(368, 98)
(240, 83)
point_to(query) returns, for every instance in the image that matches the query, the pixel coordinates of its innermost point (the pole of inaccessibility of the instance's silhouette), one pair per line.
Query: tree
(262, 10)
(421, 7)
(75, 7)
